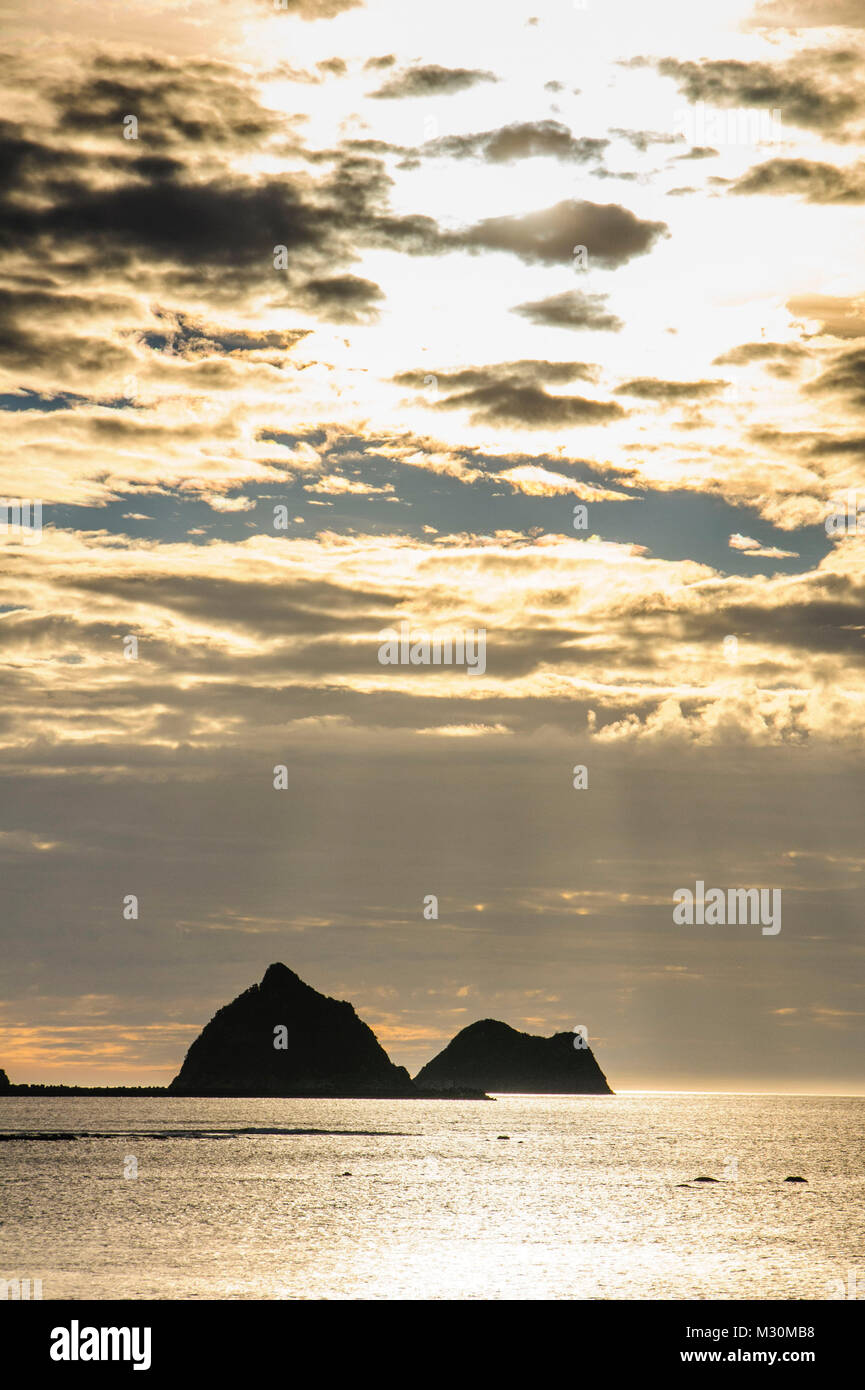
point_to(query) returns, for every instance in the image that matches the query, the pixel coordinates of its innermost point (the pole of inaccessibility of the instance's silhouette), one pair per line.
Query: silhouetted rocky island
(494, 1057)
(4, 1082)
(283, 1038)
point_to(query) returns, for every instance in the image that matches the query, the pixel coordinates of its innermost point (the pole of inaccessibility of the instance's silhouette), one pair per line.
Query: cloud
(837, 316)
(815, 182)
(746, 353)
(818, 89)
(536, 481)
(253, 636)
(191, 339)
(651, 389)
(333, 67)
(343, 298)
(514, 393)
(523, 140)
(748, 546)
(27, 317)
(531, 407)
(611, 234)
(315, 9)
(845, 377)
(642, 139)
(698, 152)
(336, 484)
(431, 80)
(220, 503)
(529, 369)
(572, 309)
(808, 14)
(199, 104)
(781, 360)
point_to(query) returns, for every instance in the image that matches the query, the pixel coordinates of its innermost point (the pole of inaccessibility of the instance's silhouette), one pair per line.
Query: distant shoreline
(39, 1089)
(59, 1090)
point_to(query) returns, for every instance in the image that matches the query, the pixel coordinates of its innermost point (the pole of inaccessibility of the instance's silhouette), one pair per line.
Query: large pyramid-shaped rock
(494, 1057)
(324, 1050)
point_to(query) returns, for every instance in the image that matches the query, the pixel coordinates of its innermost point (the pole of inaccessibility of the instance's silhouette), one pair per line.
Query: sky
(544, 320)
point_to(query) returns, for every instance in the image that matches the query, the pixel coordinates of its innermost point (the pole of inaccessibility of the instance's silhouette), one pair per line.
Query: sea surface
(424, 1199)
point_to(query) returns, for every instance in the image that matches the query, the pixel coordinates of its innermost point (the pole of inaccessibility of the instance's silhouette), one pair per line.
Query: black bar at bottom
(293, 1340)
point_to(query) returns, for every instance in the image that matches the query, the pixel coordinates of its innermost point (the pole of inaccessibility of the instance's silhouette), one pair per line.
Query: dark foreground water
(423, 1199)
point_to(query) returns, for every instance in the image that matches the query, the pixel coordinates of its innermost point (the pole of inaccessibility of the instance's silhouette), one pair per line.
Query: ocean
(586, 1198)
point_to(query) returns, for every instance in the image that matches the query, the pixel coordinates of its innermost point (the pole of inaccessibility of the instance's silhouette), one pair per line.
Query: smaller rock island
(492, 1056)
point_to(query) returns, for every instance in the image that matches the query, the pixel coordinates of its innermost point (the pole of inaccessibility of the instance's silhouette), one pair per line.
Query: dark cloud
(26, 340)
(157, 214)
(343, 298)
(806, 178)
(572, 309)
(845, 377)
(838, 316)
(825, 616)
(528, 369)
(386, 60)
(285, 72)
(432, 80)
(531, 407)
(808, 442)
(651, 389)
(367, 146)
(333, 67)
(43, 305)
(815, 90)
(836, 446)
(698, 152)
(23, 158)
(198, 224)
(611, 234)
(524, 140)
(514, 393)
(186, 212)
(201, 103)
(185, 337)
(305, 607)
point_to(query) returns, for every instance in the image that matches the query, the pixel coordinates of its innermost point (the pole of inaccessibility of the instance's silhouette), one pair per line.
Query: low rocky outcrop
(492, 1056)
